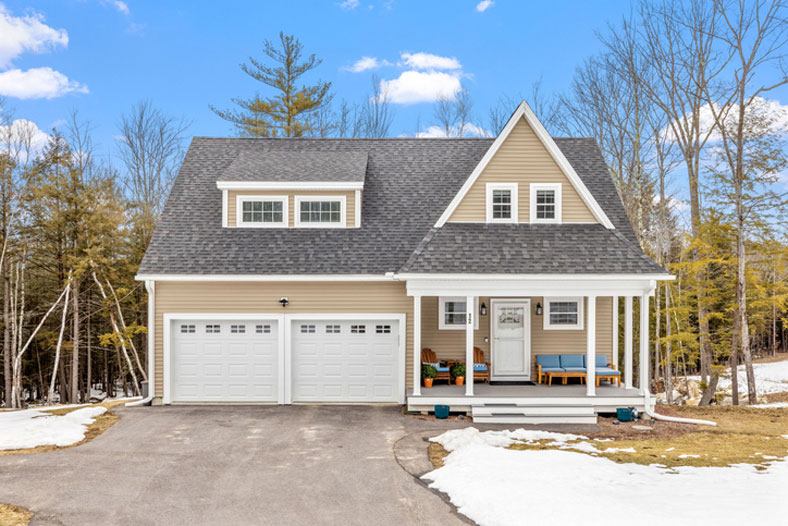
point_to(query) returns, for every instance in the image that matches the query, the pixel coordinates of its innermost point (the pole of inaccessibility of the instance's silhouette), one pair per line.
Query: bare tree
(376, 114)
(453, 113)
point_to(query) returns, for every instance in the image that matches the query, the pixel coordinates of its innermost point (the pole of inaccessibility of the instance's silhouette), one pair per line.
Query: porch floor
(482, 390)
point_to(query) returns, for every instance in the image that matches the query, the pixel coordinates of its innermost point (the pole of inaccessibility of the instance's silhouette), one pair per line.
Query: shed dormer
(298, 188)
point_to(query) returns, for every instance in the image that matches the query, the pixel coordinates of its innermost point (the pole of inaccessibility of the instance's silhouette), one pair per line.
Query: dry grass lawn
(743, 435)
(14, 515)
(99, 425)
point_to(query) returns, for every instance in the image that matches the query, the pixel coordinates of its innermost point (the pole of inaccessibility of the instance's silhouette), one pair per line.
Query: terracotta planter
(428, 382)
(459, 380)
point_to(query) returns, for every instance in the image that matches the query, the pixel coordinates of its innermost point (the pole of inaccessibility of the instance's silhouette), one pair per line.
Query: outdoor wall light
(538, 309)
(483, 309)
(284, 302)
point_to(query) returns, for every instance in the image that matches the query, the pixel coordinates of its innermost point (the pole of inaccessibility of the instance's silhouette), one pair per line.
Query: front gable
(525, 158)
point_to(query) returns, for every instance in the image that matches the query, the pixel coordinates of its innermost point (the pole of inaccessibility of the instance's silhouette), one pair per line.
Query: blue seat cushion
(601, 361)
(607, 370)
(480, 367)
(575, 369)
(552, 370)
(548, 360)
(439, 368)
(572, 360)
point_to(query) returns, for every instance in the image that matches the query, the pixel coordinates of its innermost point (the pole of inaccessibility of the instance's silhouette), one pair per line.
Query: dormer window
(261, 211)
(501, 202)
(320, 211)
(545, 203)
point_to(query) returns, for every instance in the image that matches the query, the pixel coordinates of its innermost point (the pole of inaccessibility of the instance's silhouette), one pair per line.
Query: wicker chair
(429, 356)
(478, 360)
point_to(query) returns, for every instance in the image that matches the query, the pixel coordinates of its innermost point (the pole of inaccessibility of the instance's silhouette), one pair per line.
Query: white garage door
(224, 361)
(345, 361)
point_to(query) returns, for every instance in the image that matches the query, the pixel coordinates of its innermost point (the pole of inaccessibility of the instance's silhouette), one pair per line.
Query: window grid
(332, 329)
(563, 313)
(454, 312)
(237, 329)
(307, 329)
(187, 329)
(358, 329)
(263, 329)
(262, 212)
(213, 329)
(502, 204)
(321, 211)
(545, 204)
(383, 329)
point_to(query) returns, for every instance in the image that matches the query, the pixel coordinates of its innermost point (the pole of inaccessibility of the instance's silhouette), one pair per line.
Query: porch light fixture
(483, 309)
(538, 309)
(284, 302)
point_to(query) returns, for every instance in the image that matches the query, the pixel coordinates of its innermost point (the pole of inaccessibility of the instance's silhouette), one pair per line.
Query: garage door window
(238, 329)
(307, 329)
(332, 329)
(358, 329)
(213, 329)
(263, 329)
(187, 329)
(383, 329)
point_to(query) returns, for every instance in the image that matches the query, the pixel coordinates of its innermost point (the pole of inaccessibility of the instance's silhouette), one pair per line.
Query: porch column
(628, 342)
(591, 346)
(416, 345)
(644, 355)
(615, 332)
(470, 313)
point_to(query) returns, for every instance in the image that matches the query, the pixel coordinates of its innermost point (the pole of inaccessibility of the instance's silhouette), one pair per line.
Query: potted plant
(458, 372)
(428, 372)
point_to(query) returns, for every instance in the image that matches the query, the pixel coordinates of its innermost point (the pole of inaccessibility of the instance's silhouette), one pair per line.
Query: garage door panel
(344, 361)
(224, 361)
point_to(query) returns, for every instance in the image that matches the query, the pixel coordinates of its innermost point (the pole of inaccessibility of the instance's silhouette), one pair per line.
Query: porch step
(534, 414)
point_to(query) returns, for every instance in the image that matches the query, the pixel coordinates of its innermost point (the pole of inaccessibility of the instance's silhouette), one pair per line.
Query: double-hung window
(563, 313)
(452, 313)
(545, 202)
(320, 212)
(501, 202)
(262, 211)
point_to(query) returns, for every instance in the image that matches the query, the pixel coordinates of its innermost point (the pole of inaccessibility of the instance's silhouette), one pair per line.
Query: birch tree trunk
(74, 392)
(51, 392)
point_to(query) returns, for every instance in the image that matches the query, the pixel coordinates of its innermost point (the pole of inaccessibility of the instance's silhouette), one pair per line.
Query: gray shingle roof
(274, 165)
(408, 184)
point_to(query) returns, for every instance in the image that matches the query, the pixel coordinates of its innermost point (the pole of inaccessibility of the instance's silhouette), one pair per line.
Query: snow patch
(34, 427)
(495, 486)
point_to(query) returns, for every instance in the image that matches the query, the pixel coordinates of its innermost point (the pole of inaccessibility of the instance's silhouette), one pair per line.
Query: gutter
(150, 286)
(656, 416)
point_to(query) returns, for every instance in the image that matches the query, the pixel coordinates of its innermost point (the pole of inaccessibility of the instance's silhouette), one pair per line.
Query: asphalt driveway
(230, 465)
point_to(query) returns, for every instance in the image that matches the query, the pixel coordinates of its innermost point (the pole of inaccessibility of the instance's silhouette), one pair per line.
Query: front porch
(499, 311)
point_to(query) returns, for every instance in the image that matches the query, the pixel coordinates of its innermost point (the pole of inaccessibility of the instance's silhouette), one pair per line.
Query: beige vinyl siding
(263, 298)
(232, 201)
(450, 344)
(522, 159)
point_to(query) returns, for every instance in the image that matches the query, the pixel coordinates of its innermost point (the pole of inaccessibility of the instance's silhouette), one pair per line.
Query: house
(315, 270)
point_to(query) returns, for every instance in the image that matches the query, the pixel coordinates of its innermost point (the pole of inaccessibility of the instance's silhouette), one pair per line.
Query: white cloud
(412, 87)
(22, 131)
(122, 7)
(469, 130)
(349, 4)
(366, 63)
(484, 5)
(429, 61)
(38, 83)
(26, 33)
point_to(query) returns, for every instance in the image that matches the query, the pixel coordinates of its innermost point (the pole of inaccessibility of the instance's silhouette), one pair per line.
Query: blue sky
(185, 55)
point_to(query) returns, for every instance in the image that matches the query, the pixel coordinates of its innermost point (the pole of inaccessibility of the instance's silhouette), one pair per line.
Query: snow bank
(495, 486)
(34, 427)
(769, 378)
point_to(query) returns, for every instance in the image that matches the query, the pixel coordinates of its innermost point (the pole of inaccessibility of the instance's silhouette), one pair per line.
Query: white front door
(510, 331)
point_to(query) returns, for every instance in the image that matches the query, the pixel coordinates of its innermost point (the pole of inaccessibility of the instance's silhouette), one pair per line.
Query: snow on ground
(769, 378)
(34, 427)
(495, 486)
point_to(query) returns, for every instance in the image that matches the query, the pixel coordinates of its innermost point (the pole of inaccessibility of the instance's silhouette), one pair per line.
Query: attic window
(261, 211)
(320, 211)
(501, 202)
(545, 203)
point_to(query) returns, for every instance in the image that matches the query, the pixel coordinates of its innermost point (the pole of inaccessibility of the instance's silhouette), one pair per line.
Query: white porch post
(644, 354)
(416, 345)
(628, 342)
(615, 332)
(469, 319)
(591, 346)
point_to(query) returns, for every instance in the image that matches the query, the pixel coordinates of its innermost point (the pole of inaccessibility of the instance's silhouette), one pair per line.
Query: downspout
(656, 416)
(150, 286)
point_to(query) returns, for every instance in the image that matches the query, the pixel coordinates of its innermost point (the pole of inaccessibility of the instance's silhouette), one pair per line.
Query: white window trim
(546, 313)
(555, 187)
(442, 311)
(342, 211)
(490, 187)
(240, 199)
